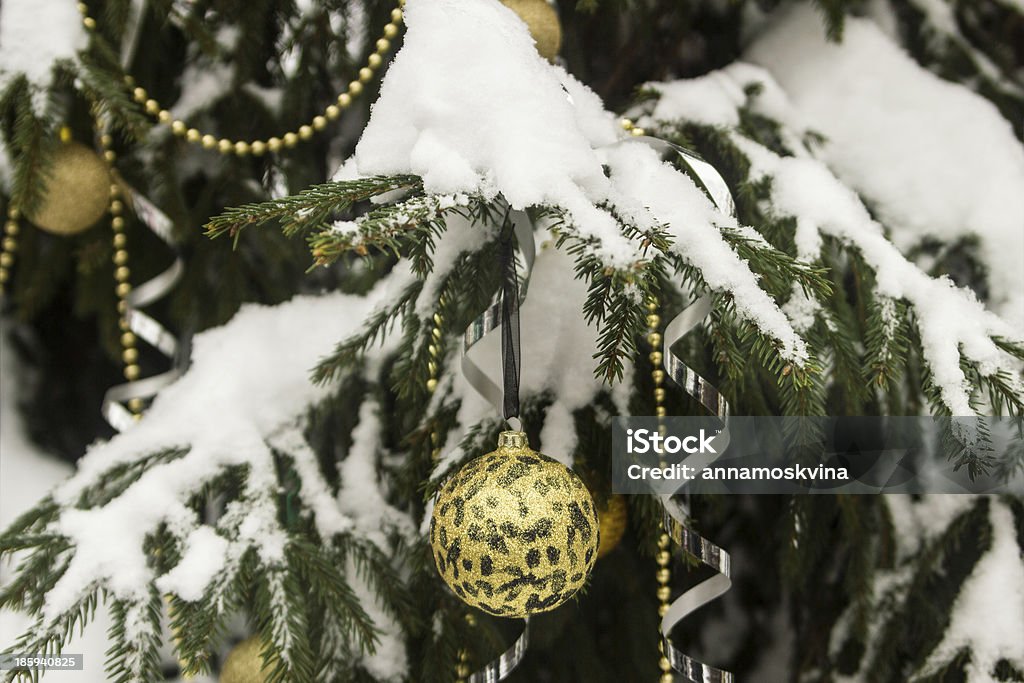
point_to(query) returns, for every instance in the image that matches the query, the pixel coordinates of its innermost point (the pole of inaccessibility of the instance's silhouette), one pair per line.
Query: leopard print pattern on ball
(514, 532)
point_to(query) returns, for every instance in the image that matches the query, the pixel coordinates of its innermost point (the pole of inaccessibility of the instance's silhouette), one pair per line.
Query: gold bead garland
(631, 128)
(274, 144)
(663, 558)
(9, 247)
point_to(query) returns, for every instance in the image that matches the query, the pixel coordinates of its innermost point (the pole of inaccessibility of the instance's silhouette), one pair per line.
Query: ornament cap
(513, 440)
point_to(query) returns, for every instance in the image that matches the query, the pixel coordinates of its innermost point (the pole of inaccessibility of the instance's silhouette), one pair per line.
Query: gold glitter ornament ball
(542, 20)
(611, 520)
(514, 532)
(244, 664)
(75, 193)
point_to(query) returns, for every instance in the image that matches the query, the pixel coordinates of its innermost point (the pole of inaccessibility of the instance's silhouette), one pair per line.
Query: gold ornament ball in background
(514, 532)
(75, 192)
(542, 20)
(611, 519)
(244, 664)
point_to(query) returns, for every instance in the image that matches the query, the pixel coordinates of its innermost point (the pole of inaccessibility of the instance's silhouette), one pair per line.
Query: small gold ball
(131, 372)
(654, 339)
(136, 405)
(365, 74)
(109, 155)
(664, 540)
(655, 357)
(6, 260)
(140, 95)
(241, 148)
(120, 241)
(396, 15)
(355, 88)
(332, 112)
(659, 394)
(305, 132)
(274, 144)
(660, 411)
(658, 376)
(319, 122)
(663, 558)
(290, 139)
(653, 321)
(209, 142)
(106, 140)
(374, 61)
(152, 106)
(664, 593)
(12, 228)
(638, 132)
(225, 146)
(128, 340)
(13, 213)
(163, 116)
(10, 244)
(5, 274)
(661, 612)
(390, 31)
(114, 191)
(123, 289)
(122, 307)
(383, 45)
(83, 8)
(667, 677)
(431, 385)
(258, 147)
(344, 100)
(626, 124)
(462, 671)
(89, 23)
(130, 356)
(179, 128)
(193, 135)
(122, 273)
(116, 207)
(664, 664)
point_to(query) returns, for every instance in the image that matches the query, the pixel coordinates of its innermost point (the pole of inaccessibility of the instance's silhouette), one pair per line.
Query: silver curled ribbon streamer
(144, 326)
(499, 668)
(685, 539)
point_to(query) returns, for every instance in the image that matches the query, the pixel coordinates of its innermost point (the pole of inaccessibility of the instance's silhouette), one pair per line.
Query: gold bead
(163, 116)
(652, 304)
(660, 411)
(383, 45)
(6, 260)
(13, 213)
(654, 339)
(390, 30)
(463, 656)
(666, 678)
(664, 593)
(659, 394)
(140, 95)
(462, 671)
(209, 142)
(241, 148)
(5, 275)
(637, 132)
(106, 140)
(658, 376)
(10, 244)
(89, 23)
(374, 61)
(193, 135)
(123, 289)
(344, 100)
(626, 124)
(290, 139)
(152, 106)
(179, 128)
(655, 357)
(122, 307)
(319, 123)
(471, 619)
(136, 405)
(225, 146)
(653, 321)
(131, 355)
(116, 207)
(109, 155)
(122, 273)
(438, 320)
(83, 8)
(365, 74)
(431, 385)
(12, 228)
(258, 147)
(664, 664)
(435, 334)
(661, 612)
(663, 558)
(332, 112)
(128, 340)
(114, 191)
(274, 144)
(120, 241)
(663, 541)
(663, 575)
(396, 15)
(305, 132)
(131, 372)
(355, 87)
